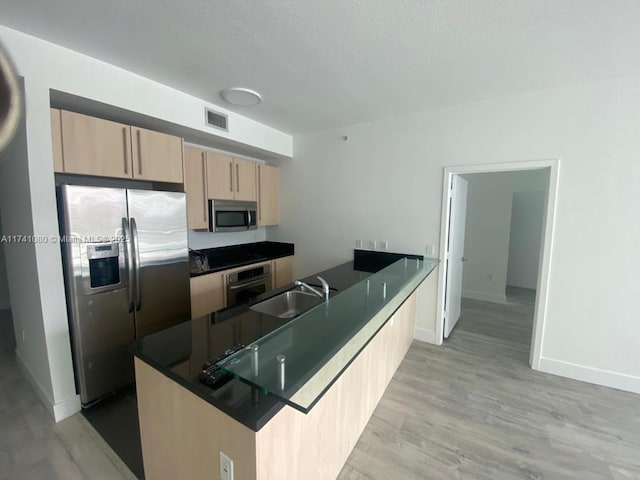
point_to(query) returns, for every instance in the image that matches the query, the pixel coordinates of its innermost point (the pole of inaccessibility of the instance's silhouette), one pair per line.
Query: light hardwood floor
(32, 446)
(473, 409)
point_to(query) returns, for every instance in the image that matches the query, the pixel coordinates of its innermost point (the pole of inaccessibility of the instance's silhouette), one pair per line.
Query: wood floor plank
(473, 409)
(32, 446)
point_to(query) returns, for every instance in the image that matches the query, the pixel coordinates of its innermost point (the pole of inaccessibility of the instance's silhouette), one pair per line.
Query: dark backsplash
(372, 261)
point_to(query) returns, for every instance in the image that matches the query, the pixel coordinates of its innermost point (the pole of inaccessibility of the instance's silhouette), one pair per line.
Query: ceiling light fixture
(243, 97)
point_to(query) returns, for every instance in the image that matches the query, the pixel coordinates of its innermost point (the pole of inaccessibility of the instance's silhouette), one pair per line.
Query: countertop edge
(239, 264)
(204, 394)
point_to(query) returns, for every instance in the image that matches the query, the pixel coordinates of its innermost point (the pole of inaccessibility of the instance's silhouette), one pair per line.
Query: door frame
(544, 267)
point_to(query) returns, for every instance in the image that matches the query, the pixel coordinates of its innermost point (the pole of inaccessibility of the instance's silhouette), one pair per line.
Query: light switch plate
(358, 243)
(372, 244)
(226, 467)
(383, 245)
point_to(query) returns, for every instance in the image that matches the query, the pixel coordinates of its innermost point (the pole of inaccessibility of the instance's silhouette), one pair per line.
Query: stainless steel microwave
(232, 216)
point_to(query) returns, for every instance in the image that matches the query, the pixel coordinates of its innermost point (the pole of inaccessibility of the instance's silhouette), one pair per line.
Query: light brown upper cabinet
(156, 156)
(92, 146)
(56, 140)
(268, 195)
(195, 187)
(245, 179)
(220, 184)
(230, 178)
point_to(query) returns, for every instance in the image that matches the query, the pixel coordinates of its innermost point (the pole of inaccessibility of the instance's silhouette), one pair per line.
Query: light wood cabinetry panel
(230, 178)
(92, 146)
(56, 140)
(156, 156)
(282, 271)
(268, 195)
(182, 434)
(292, 440)
(207, 294)
(220, 185)
(195, 187)
(245, 179)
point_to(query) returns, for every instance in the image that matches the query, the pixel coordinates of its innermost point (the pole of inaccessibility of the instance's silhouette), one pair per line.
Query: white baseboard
(485, 297)
(59, 411)
(597, 376)
(425, 335)
(66, 408)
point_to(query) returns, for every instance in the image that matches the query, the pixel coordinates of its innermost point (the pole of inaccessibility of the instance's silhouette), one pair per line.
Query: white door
(455, 252)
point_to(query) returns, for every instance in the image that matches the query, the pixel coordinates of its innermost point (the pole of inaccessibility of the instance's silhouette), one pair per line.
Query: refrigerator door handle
(128, 261)
(136, 262)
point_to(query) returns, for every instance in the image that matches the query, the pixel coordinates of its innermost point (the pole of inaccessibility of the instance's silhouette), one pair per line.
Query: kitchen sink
(288, 304)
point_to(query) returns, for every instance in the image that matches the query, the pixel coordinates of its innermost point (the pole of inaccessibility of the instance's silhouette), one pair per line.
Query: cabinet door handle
(139, 152)
(237, 177)
(204, 185)
(126, 154)
(231, 176)
(259, 195)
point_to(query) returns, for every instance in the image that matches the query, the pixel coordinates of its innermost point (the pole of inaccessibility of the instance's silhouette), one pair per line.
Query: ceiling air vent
(216, 119)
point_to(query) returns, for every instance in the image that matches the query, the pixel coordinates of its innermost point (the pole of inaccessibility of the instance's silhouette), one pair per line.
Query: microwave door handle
(136, 261)
(128, 261)
(249, 219)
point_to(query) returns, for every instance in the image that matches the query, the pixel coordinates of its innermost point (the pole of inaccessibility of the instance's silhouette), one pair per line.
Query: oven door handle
(256, 281)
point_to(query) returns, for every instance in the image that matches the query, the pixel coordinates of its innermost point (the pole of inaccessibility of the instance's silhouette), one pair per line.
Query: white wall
(198, 240)
(21, 263)
(527, 216)
(28, 201)
(4, 284)
(489, 227)
(486, 242)
(385, 182)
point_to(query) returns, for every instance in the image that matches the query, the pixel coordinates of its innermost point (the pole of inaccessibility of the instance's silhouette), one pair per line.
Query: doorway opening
(489, 275)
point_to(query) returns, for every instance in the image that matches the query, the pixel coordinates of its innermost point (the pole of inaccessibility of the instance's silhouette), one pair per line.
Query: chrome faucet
(325, 288)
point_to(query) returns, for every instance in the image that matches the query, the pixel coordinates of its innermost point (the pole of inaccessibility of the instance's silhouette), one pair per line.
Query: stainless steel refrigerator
(126, 266)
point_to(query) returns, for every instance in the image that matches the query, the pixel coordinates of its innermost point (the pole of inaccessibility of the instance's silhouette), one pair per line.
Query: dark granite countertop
(180, 351)
(223, 258)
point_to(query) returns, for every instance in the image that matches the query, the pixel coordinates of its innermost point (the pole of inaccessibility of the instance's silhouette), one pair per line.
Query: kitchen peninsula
(296, 408)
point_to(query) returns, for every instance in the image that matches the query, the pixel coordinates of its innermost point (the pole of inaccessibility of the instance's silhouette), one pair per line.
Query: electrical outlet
(358, 243)
(226, 467)
(383, 245)
(428, 249)
(372, 244)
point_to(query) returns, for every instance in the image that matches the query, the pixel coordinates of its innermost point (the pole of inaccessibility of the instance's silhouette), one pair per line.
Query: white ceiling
(327, 63)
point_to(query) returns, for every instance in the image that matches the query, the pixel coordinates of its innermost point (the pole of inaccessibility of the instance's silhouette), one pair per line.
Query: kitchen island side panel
(316, 445)
(182, 434)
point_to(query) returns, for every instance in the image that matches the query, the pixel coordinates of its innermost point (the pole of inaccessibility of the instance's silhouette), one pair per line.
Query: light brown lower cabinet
(282, 271)
(207, 294)
(182, 434)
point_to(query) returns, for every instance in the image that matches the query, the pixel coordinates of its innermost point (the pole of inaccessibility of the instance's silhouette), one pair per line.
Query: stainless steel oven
(245, 285)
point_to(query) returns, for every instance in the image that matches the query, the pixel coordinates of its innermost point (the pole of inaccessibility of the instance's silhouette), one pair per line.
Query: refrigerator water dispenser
(103, 265)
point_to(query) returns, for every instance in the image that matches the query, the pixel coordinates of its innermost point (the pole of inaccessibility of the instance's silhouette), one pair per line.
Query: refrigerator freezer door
(159, 223)
(96, 281)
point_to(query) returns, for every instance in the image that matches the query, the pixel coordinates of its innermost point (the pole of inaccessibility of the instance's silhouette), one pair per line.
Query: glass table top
(298, 362)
